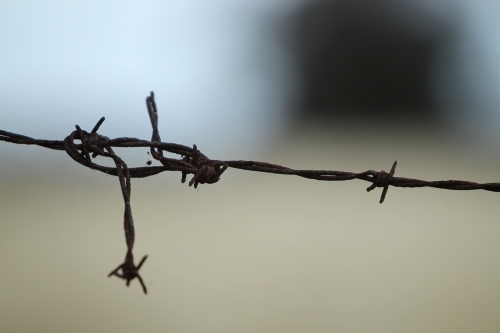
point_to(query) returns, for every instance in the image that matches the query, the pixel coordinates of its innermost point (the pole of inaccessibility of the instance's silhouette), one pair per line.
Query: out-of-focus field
(256, 252)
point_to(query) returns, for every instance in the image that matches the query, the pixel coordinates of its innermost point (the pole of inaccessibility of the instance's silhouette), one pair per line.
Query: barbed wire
(204, 170)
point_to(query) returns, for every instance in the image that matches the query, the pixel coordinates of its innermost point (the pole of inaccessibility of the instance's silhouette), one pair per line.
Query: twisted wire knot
(207, 174)
(206, 171)
(92, 142)
(129, 270)
(383, 179)
(94, 139)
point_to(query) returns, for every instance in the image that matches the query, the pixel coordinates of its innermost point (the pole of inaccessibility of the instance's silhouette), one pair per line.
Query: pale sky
(220, 72)
(216, 68)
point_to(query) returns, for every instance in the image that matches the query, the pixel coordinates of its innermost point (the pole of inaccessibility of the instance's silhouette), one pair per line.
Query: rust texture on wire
(204, 170)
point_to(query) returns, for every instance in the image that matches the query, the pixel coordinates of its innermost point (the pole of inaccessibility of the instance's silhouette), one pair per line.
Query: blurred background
(335, 85)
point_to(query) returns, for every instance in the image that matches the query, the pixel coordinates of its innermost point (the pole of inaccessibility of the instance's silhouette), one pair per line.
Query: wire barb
(204, 170)
(383, 179)
(130, 271)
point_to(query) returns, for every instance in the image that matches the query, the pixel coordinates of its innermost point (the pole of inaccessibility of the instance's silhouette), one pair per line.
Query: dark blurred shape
(356, 60)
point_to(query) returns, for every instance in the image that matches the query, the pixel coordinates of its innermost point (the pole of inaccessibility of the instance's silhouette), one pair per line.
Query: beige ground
(256, 252)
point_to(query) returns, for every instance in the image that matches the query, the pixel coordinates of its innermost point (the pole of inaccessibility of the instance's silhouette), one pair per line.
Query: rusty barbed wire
(204, 170)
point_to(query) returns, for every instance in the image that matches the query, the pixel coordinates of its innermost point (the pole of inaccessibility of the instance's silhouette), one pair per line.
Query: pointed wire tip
(99, 123)
(393, 169)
